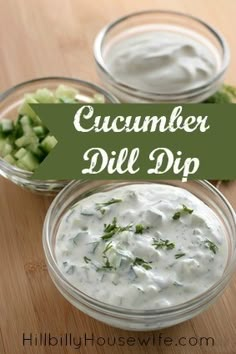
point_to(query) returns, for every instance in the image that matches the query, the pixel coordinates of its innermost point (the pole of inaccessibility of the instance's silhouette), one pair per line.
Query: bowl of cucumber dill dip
(161, 56)
(140, 255)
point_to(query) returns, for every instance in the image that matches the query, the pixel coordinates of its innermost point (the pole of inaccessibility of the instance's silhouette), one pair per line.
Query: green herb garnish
(179, 255)
(142, 263)
(185, 210)
(211, 245)
(107, 265)
(86, 259)
(108, 247)
(163, 244)
(101, 206)
(139, 228)
(112, 229)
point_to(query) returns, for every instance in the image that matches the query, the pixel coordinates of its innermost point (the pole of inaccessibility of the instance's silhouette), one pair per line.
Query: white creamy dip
(142, 246)
(166, 59)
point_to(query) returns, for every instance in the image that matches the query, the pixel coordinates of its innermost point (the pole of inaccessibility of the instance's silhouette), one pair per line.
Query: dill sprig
(179, 255)
(211, 245)
(142, 263)
(101, 206)
(163, 244)
(112, 229)
(185, 210)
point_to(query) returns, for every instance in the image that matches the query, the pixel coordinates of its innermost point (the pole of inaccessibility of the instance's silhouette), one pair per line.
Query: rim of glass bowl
(98, 48)
(7, 167)
(79, 296)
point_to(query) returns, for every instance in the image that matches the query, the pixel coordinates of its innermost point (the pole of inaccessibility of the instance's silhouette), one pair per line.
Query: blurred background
(46, 38)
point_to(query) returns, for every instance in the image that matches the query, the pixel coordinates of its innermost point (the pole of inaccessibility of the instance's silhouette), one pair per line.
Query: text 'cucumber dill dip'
(162, 58)
(142, 246)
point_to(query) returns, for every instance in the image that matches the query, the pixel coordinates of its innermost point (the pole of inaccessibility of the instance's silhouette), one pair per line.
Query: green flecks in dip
(147, 248)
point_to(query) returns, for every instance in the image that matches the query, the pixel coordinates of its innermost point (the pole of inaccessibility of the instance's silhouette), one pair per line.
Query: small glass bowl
(142, 21)
(11, 100)
(139, 320)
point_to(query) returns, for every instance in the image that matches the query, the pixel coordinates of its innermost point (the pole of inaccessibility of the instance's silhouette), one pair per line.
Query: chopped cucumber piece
(6, 149)
(20, 165)
(2, 143)
(6, 126)
(40, 131)
(48, 143)
(26, 140)
(25, 120)
(27, 130)
(10, 159)
(29, 161)
(66, 92)
(35, 149)
(98, 98)
(66, 100)
(25, 109)
(45, 96)
(20, 153)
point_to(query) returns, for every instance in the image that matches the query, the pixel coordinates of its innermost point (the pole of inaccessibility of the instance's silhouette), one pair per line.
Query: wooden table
(45, 38)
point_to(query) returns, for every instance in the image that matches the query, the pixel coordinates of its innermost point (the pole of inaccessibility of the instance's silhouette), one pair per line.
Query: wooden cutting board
(45, 38)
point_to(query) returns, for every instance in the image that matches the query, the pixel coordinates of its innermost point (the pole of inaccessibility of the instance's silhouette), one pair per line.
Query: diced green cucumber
(35, 149)
(26, 140)
(6, 149)
(6, 126)
(25, 120)
(99, 98)
(64, 91)
(20, 153)
(25, 109)
(48, 143)
(45, 96)
(40, 131)
(20, 165)
(2, 143)
(29, 161)
(66, 100)
(10, 159)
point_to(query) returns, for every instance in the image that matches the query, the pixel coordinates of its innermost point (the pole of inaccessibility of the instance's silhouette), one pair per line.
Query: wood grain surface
(55, 37)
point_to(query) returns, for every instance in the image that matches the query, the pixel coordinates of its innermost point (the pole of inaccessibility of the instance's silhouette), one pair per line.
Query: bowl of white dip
(140, 255)
(161, 56)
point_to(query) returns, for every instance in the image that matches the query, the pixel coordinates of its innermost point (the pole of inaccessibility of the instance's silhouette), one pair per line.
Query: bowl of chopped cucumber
(24, 141)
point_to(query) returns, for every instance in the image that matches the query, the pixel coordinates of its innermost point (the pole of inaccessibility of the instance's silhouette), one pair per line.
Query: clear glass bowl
(10, 101)
(142, 21)
(118, 316)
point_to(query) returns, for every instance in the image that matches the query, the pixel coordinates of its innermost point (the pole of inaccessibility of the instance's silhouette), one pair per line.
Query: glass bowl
(133, 319)
(10, 101)
(145, 21)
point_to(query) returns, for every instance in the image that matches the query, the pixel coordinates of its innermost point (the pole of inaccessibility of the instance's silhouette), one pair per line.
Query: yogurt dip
(164, 59)
(142, 246)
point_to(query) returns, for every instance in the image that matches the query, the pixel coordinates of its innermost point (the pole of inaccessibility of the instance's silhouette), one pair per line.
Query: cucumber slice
(27, 130)
(25, 109)
(40, 131)
(25, 120)
(26, 140)
(29, 161)
(10, 159)
(20, 153)
(64, 91)
(20, 165)
(99, 98)
(6, 126)
(48, 143)
(2, 143)
(45, 96)
(35, 149)
(6, 149)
